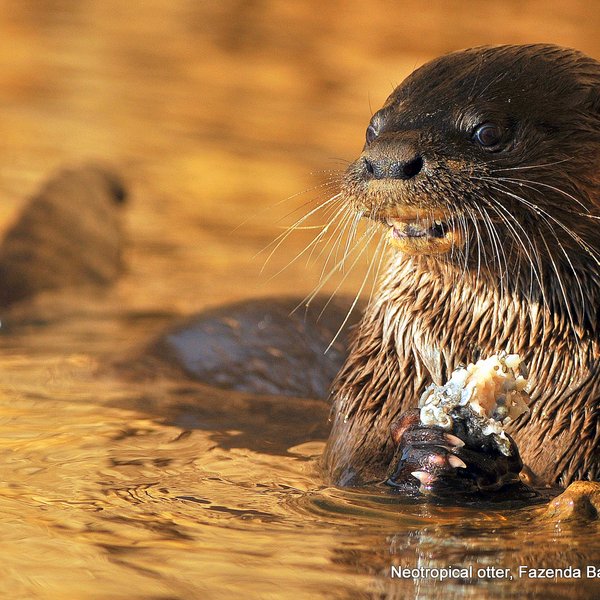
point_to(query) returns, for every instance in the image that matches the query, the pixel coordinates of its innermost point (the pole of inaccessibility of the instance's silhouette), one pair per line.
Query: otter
(482, 168)
(69, 235)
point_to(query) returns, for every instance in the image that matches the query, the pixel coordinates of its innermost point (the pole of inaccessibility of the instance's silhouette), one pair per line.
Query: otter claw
(424, 478)
(445, 464)
(456, 462)
(454, 440)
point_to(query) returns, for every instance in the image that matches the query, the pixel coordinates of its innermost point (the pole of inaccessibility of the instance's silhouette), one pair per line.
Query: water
(214, 112)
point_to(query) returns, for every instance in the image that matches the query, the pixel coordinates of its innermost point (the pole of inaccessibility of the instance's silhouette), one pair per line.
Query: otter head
(487, 148)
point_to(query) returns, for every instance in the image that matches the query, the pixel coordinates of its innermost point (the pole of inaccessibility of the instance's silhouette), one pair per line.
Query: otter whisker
(311, 244)
(575, 274)
(535, 266)
(508, 218)
(332, 184)
(351, 225)
(363, 240)
(536, 209)
(342, 161)
(283, 236)
(382, 246)
(563, 292)
(379, 248)
(352, 232)
(454, 222)
(469, 223)
(334, 242)
(302, 227)
(542, 213)
(529, 167)
(332, 200)
(573, 270)
(332, 170)
(559, 278)
(499, 256)
(324, 185)
(473, 219)
(531, 183)
(347, 231)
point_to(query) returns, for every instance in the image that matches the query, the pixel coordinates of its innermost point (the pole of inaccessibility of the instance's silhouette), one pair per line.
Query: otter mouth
(421, 234)
(404, 229)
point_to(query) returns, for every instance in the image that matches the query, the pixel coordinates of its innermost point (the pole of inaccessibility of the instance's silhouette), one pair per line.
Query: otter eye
(487, 135)
(372, 133)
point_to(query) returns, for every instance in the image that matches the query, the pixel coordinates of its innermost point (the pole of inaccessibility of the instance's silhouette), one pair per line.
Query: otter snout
(385, 168)
(392, 157)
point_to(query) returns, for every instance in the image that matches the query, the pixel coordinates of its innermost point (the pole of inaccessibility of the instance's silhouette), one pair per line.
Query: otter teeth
(416, 229)
(439, 229)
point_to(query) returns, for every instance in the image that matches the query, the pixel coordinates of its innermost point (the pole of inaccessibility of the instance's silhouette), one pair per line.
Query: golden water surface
(215, 111)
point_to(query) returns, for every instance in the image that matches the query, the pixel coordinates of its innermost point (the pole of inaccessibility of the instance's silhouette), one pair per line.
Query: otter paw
(441, 463)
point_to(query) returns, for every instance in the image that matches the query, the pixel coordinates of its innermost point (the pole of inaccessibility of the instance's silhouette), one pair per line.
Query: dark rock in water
(262, 346)
(579, 502)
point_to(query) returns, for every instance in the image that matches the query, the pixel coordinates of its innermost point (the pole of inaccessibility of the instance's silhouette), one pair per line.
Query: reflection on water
(216, 111)
(98, 494)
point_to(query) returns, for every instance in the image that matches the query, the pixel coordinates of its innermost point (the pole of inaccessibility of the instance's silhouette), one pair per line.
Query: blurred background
(217, 111)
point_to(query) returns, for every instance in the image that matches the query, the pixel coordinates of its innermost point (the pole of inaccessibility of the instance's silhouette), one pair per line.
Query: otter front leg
(436, 462)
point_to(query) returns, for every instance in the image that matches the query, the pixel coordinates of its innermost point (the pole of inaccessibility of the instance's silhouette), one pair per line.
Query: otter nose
(383, 168)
